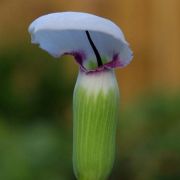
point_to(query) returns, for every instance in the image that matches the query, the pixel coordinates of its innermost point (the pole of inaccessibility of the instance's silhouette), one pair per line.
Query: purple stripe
(80, 57)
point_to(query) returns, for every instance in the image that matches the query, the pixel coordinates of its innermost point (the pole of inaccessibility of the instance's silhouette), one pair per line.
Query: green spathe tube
(95, 110)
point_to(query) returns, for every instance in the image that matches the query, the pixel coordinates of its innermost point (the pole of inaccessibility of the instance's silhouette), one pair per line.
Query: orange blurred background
(148, 146)
(152, 28)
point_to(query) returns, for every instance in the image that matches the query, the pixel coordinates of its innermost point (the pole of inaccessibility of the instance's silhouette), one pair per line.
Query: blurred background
(36, 92)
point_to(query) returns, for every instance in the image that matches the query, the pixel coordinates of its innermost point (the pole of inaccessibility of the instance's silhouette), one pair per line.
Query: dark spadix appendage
(98, 57)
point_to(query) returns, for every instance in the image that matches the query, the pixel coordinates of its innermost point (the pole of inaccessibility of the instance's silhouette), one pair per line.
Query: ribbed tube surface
(94, 126)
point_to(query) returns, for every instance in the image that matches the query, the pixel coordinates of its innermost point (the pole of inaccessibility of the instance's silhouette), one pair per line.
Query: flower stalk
(95, 109)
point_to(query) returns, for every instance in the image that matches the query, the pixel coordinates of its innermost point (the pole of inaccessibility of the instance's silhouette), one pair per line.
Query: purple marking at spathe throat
(115, 62)
(80, 57)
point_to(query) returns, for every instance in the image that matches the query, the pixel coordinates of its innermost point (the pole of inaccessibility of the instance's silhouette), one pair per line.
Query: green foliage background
(36, 124)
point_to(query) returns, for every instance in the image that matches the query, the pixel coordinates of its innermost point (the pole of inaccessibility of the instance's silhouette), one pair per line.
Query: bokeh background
(36, 92)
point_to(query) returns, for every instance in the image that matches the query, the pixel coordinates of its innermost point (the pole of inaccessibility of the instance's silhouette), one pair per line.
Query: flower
(75, 33)
(98, 46)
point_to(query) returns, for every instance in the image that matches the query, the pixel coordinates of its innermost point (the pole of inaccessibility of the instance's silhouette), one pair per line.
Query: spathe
(64, 33)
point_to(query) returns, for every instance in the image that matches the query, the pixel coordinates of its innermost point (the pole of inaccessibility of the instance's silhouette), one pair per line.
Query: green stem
(95, 119)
